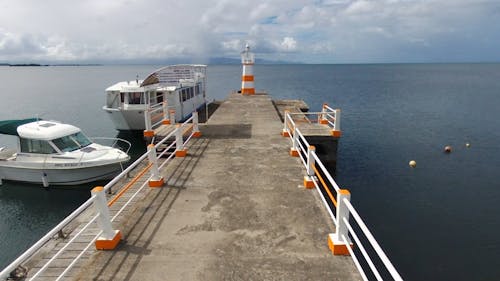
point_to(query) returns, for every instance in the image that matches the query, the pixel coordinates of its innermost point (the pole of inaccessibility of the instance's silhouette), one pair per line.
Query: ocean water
(438, 221)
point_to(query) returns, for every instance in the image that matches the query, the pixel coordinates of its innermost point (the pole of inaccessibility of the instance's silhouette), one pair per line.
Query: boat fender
(45, 180)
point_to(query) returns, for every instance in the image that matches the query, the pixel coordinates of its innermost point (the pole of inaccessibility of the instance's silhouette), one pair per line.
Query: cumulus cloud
(288, 44)
(314, 30)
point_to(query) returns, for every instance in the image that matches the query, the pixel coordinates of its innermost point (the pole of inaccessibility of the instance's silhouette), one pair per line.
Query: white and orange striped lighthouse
(247, 81)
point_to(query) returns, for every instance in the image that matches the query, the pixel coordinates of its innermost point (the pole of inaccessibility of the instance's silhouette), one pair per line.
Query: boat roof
(171, 75)
(127, 86)
(46, 130)
(9, 127)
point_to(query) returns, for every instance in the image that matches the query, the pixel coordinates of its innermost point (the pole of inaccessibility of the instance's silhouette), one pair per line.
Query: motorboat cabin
(51, 152)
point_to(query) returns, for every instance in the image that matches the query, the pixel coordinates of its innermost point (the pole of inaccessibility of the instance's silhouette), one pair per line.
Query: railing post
(322, 119)
(286, 131)
(166, 116)
(294, 151)
(172, 116)
(336, 132)
(335, 240)
(196, 129)
(309, 178)
(148, 132)
(180, 151)
(156, 179)
(109, 238)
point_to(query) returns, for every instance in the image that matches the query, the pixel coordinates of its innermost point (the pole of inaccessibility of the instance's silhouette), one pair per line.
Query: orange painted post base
(308, 182)
(156, 183)
(181, 153)
(248, 91)
(149, 134)
(294, 152)
(338, 248)
(323, 121)
(105, 244)
(285, 133)
(197, 134)
(337, 134)
(165, 122)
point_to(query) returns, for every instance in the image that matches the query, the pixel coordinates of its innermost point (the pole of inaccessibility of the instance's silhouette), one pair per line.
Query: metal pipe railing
(342, 204)
(381, 254)
(39, 244)
(33, 249)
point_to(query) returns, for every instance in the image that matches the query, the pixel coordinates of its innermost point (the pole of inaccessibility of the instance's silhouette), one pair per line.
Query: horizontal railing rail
(327, 116)
(183, 133)
(336, 200)
(156, 115)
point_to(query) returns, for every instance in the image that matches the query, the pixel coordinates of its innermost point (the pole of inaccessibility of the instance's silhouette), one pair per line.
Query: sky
(316, 31)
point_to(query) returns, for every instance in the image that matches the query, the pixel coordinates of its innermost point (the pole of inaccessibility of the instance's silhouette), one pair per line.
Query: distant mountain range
(257, 61)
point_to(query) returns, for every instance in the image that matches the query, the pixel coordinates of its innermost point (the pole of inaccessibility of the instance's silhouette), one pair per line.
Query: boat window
(159, 97)
(136, 98)
(112, 99)
(72, 142)
(36, 146)
(81, 139)
(183, 94)
(190, 90)
(197, 89)
(66, 144)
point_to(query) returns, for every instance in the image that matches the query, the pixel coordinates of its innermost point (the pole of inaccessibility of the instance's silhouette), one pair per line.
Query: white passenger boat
(53, 153)
(182, 87)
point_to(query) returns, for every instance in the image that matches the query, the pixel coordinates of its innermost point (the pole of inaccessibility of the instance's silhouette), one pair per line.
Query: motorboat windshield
(72, 142)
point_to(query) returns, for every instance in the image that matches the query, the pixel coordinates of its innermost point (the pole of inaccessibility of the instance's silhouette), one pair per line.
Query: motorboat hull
(68, 176)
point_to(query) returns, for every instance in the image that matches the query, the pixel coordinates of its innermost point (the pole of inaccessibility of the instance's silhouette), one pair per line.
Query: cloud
(288, 44)
(309, 30)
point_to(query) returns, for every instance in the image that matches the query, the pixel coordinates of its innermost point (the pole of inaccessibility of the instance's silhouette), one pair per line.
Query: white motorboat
(182, 87)
(54, 153)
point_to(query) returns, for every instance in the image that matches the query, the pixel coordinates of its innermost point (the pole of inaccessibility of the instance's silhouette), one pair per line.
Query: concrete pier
(234, 208)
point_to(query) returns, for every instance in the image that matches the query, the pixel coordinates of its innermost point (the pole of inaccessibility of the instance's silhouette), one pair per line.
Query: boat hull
(127, 120)
(133, 119)
(73, 176)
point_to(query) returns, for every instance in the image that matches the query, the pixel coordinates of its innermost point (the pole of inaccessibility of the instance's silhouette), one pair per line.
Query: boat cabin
(50, 137)
(181, 86)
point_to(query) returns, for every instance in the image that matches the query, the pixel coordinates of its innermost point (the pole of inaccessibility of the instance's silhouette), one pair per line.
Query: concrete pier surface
(233, 209)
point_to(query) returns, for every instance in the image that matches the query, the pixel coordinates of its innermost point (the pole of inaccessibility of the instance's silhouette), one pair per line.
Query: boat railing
(119, 143)
(337, 203)
(183, 133)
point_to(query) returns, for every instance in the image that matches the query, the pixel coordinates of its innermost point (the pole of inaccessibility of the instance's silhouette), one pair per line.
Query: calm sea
(438, 221)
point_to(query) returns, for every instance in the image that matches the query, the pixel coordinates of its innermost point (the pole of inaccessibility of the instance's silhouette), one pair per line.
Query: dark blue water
(438, 221)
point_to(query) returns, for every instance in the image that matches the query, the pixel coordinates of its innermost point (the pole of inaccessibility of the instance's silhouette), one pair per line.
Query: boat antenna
(137, 79)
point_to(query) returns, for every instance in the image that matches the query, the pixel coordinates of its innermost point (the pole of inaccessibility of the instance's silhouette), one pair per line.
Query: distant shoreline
(37, 64)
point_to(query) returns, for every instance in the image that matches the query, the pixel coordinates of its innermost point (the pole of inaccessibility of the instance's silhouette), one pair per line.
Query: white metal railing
(182, 133)
(327, 116)
(115, 143)
(158, 114)
(340, 198)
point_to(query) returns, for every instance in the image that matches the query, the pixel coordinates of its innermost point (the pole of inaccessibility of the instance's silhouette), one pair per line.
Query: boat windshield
(72, 142)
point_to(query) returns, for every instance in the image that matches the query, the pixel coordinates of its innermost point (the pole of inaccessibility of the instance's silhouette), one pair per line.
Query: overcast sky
(316, 31)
